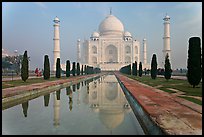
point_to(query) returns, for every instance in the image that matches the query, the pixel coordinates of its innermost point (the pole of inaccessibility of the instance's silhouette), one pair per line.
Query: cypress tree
(129, 69)
(82, 70)
(154, 67)
(135, 68)
(194, 61)
(73, 68)
(67, 68)
(58, 69)
(46, 73)
(24, 67)
(140, 69)
(167, 68)
(78, 69)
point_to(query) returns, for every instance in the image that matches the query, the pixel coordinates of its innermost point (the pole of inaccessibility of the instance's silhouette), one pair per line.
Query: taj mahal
(111, 47)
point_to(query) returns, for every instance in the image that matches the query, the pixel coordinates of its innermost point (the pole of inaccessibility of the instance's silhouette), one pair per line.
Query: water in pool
(97, 106)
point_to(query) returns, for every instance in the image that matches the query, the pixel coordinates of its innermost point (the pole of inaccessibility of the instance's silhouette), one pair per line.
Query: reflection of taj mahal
(111, 47)
(107, 98)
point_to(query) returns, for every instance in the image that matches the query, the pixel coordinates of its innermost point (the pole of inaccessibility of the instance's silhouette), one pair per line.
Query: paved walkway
(174, 115)
(18, 77)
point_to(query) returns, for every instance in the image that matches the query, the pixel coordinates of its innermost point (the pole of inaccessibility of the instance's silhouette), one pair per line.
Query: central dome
(111, 26)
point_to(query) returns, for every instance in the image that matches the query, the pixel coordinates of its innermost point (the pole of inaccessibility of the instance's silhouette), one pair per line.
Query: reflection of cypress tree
(70, 102)
(25, 108)
(74, 88)
(68, 89)
(58, 95)
(88, 88)
(46, 99)
(82, 83)
(78, 86)
(85, 83)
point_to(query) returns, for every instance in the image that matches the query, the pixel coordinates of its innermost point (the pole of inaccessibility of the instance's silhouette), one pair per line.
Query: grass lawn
(192, 99)
(15, 83)
(181, 85)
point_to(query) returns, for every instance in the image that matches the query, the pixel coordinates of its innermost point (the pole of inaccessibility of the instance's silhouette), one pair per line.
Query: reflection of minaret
(25, 108)
(78, 51)
(56, 42)
(56, 110)
(46, 100)
(166, 38)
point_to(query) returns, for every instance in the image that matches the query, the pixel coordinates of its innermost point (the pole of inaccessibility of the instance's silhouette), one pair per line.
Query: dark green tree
(194, 61)
(140, 69)
(73, 69)
(135, 68)
(24, 67)
(154, 67)
(58, 68)
(46, 73)
(67, 68)
(167, 68)
(82, 71)
(13, 62)
(78, 69)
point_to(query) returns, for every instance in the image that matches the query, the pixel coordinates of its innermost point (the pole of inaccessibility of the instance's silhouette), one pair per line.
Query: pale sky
(29, 26)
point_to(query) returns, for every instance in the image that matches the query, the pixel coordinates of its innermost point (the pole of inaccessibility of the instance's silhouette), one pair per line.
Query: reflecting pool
(96, 106)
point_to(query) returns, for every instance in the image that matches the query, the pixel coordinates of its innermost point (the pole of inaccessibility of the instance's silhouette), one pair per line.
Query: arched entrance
(111, 54)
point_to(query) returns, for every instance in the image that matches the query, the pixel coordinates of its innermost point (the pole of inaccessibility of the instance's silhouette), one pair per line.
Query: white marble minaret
(56, 42)
(166, 38)
(78, 51)
(144, 51)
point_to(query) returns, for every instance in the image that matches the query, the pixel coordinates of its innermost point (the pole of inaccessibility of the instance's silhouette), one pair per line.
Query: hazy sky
(29, 26)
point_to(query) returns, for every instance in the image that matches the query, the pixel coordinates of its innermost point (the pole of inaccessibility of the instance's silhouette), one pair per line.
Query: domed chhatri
(166, 18)
(56, 20)
(95, 34)
(111, 25)
(127, 34)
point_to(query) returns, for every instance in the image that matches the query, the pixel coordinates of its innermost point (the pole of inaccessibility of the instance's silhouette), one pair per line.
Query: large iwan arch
(111, 54)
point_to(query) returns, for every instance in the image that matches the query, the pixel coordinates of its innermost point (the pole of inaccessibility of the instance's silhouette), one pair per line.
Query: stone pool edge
(36, 92)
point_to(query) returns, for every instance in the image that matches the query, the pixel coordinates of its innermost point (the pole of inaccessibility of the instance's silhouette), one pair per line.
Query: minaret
(166, 38)
(56, 42)
(78, 51)
(144, 51)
